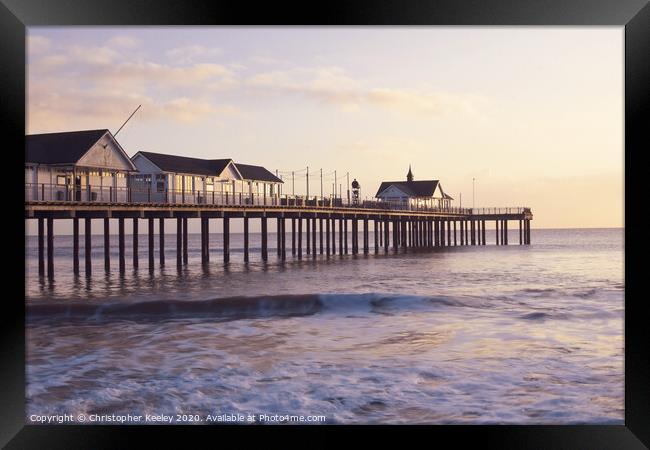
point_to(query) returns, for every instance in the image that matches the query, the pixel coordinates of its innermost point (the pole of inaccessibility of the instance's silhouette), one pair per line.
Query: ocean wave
(233, 308)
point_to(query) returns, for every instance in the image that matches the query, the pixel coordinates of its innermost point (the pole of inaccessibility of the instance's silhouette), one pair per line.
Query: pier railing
(43, 192)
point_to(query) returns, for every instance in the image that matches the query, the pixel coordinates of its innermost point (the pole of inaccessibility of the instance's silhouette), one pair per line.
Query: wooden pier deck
(325, 228)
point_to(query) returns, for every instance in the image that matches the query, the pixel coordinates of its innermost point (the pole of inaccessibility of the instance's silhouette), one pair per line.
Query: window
(61, 180)
(160, 183)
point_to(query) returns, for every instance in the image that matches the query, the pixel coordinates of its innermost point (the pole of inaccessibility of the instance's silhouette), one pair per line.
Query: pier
(395, 226)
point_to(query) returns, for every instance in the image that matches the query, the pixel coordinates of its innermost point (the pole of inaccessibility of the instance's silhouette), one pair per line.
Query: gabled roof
(60, 148)
(184, 164)
(257, 173)
(424, 188)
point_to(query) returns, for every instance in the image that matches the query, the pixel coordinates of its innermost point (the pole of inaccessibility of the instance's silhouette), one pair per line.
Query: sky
(533, 114)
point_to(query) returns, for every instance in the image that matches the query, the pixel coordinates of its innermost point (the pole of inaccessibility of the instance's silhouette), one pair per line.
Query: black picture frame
(634, 15)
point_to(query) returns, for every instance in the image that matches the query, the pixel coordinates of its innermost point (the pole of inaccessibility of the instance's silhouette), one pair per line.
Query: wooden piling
(320, 235)
(313, 237)
(334, 236)
(134, 236)
(365, 236)
(50, 247)
(120, 245)
(277, 235)
(246, 239)
(283, 250)
(226, 239)
(496, 231)
(307, 235)
(151, 237)
(264, 239)
(483, 232)
(386, 231)
(161, 237)
(41, 246)
(87, 246)
(376, 235)
(107, 245)
(345, 235)
(75, 246)
(327, 236)
(299, 237)
(179, 242)
(505, 231)
(293, 236)
(340, 236)
(185, 251)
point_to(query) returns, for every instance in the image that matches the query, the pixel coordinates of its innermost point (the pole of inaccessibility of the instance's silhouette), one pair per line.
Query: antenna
(136, 110)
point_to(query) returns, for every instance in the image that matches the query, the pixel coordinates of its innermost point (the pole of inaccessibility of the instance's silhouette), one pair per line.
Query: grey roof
(184, 164)
(257, 173)
(209, 167)
(60, 148)
(424, 188)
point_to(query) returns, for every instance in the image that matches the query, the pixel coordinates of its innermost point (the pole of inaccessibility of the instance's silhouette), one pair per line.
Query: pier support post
(41, 246)
(442, 233)
(482, 232)
(134, 236)
(184, 240)
(50, 247)
(520, 240)
(496, 231)
(345, 235)
(161, 237)
(448, 233)
(299, 237)
(246, 239)
(226, 239)
(376, 235)
(436, 233)
(355, 236)
(340, 236)
(107, 245)
(313, 237)
(283, 250)
(265, 254)
(395, 235)
(179, 242)
(327, 236)
(120, 246)
(385, 227)
(334, 236)
(88, 245)
(203, 240)
(277, 235)
(462, 233)
(381, 232)
(505, 231)
(151, 237)
(403, 225)
(365, 236)
(307, 236)
(75, 246)
(293, 236)
(455, 242)
(320, 235)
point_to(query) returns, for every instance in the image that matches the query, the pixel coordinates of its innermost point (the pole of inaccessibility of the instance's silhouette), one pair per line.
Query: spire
(409, 176)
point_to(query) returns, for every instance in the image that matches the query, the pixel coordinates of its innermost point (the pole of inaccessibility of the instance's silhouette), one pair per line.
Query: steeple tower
(409, 176)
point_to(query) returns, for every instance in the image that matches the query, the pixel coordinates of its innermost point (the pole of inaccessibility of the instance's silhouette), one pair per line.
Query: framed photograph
(387, 214)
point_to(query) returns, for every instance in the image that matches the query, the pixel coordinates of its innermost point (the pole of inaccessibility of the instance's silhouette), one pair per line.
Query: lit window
(61, 180)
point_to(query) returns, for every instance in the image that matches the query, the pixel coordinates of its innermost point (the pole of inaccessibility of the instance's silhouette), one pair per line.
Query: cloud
(333, 85)
(123, 41)
(192, 53)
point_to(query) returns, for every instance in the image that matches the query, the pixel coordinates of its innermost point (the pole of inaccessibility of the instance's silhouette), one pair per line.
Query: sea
(530, 334)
